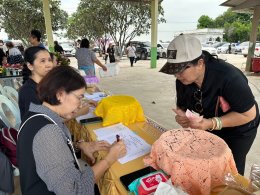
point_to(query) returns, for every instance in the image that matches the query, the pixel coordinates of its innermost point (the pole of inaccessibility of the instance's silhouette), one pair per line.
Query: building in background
(205, 35)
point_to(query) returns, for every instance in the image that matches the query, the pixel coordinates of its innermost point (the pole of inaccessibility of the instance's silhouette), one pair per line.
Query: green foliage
(205, 22)
(237, 26)
(61, 59)
(19, 17)
(120, 19)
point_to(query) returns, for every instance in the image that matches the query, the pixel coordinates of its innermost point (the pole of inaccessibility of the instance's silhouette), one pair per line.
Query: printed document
(135, 145)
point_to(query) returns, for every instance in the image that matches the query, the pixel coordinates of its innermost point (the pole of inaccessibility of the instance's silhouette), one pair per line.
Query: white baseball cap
(182, 50)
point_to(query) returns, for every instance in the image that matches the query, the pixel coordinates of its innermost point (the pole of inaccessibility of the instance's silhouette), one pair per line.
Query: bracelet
(213, 125)
(219, 123)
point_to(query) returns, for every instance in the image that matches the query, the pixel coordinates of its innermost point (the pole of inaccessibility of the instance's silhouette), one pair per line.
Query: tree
(237, 26)
(205, 22)
(19, 17)
(119, 19)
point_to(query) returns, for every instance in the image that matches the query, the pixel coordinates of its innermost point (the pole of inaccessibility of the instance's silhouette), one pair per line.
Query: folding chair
(12, 94)
(9, 114)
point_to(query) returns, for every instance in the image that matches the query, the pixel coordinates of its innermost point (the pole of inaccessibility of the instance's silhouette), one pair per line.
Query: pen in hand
(117, 138)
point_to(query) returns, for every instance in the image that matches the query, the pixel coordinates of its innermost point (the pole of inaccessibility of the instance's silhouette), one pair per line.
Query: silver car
(69, 49)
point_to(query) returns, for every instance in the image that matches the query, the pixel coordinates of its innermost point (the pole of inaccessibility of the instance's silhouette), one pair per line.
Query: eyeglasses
(79, 97)
(198, 97)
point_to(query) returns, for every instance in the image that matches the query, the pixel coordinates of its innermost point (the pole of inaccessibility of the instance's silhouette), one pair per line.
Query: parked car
(96, 49)
(143, 50)
(224, 48)
(218, 44)
(257, 50)
(238, 48)
(69, 49)
(210, 49)
(162, 48)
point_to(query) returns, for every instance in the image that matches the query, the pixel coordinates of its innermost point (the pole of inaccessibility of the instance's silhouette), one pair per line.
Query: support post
(154, 29)
(48, 26)
(252, 40)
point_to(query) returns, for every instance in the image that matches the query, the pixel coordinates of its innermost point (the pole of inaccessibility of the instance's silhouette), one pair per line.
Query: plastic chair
(12, 94)
(2, 91)
(9, 114)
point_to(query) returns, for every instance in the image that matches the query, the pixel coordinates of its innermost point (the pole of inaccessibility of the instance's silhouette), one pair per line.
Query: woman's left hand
(104, 68)
(204, 124)
(89, 148)
(93, 103)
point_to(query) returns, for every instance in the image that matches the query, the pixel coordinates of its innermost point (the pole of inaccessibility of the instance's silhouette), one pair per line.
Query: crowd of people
(52, 94)
(49, 96)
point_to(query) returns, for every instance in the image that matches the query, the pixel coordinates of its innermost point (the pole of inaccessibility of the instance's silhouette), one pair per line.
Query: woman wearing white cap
(216, 90)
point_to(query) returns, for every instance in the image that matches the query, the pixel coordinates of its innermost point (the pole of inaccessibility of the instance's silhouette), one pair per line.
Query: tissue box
(149, 183)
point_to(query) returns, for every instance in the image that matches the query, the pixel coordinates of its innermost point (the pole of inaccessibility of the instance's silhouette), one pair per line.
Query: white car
(210, 49)
(241, 46)
(69, 49)
(224, 48)
(162, 48)
(257, 50)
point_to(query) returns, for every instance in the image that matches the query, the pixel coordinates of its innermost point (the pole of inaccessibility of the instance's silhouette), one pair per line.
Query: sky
(179, 14)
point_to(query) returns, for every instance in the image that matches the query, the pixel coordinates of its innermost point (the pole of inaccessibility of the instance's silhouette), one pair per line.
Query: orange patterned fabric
(196, 160)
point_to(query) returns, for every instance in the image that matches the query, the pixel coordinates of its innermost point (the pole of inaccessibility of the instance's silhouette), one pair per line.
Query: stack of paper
(97, 96)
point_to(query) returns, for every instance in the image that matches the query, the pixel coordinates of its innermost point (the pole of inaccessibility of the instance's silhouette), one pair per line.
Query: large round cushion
(196, 160)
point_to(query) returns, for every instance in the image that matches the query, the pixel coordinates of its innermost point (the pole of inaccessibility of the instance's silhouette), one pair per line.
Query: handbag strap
(69, 142)
(46, 116)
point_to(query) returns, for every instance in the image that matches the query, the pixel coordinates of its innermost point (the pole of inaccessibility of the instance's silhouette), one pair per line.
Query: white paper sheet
(97, 96)
(135, 145)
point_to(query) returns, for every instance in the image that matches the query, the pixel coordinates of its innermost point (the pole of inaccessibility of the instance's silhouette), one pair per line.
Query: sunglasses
(185, 68)
(198, 97)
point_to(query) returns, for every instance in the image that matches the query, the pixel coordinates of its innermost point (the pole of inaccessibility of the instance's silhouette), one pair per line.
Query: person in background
(117, 51)
(46, 157)
(86, 59)
(211, 87)
(3, 46)
(35, 38)
(78, 44)
(21, 48)
(111, 53)
(130, 51)
(229, 48)
(37, 64)
(3, 59)
(58, 48)
(14, 54)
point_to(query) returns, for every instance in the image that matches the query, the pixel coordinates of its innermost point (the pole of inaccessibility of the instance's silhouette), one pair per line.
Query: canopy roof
(242, 5)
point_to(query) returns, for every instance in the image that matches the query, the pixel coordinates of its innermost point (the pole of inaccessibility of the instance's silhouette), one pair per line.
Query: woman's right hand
(117, 150)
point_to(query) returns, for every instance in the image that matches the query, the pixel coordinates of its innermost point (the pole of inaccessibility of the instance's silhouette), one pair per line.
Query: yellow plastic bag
(119, 108)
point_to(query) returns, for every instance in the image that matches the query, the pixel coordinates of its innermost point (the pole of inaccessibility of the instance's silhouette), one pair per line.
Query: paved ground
(156, 92)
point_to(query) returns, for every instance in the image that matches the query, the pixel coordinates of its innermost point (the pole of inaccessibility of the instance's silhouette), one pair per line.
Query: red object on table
(149, 184)
(256, 64)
